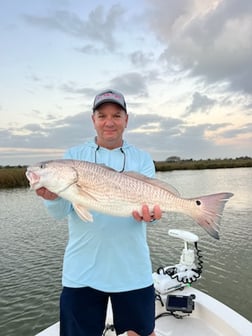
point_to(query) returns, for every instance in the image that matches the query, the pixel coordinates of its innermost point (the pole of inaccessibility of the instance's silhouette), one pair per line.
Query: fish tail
(209, 211)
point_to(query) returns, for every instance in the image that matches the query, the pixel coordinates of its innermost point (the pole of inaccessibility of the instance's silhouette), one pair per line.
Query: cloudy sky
(184, 66)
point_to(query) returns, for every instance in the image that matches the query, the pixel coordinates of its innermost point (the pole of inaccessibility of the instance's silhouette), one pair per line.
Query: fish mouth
(32, 178)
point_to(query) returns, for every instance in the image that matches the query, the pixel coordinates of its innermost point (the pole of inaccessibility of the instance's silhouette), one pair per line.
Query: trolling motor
(170, 278)
(188, 270)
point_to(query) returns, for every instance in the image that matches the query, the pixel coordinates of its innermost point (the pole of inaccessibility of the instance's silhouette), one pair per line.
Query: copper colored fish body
(89, 186)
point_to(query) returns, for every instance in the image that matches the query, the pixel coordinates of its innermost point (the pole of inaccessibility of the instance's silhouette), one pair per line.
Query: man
(109, 257)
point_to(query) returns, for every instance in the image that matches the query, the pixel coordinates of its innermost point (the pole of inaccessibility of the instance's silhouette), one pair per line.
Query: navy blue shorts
(83, 311)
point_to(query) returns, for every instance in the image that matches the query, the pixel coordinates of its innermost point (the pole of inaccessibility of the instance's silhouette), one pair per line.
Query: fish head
(55, 176)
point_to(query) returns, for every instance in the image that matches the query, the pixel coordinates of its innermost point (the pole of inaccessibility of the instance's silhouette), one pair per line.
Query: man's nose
(109, 122)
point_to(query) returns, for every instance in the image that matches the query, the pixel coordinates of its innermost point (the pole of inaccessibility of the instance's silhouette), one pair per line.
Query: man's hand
(46, 194)
(146, 215)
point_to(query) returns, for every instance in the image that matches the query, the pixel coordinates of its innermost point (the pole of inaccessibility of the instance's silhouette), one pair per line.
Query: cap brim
(108, 101)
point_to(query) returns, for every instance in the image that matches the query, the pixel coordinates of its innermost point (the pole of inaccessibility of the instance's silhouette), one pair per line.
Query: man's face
(110, 120)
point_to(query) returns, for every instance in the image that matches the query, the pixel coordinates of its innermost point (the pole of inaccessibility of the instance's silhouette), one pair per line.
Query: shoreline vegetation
(14, 177)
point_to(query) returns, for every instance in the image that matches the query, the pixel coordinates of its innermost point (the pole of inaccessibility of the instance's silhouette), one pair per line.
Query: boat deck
(209, 318)
(169, 326)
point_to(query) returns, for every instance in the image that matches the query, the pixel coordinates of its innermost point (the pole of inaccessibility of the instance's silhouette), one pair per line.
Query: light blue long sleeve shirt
(111, 253)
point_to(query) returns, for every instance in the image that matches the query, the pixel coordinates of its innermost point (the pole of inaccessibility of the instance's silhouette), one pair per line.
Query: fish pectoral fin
(153, 181)
(83, 213)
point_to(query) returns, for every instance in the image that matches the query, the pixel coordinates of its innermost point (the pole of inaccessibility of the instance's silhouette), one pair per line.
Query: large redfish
(90, 186)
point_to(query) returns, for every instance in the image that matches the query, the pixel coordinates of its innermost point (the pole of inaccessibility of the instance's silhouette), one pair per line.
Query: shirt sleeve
(148, 167)
(59, 208)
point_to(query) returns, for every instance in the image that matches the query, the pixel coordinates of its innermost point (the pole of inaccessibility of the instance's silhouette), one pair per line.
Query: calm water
(32, 246)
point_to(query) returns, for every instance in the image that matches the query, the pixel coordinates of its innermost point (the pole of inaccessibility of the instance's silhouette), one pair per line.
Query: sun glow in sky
(185, 68)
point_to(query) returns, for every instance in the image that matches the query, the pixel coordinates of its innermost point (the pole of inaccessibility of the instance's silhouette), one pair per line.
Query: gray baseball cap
(109, 96)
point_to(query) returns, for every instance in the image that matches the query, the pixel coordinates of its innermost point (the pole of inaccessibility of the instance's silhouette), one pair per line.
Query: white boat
(181, 309)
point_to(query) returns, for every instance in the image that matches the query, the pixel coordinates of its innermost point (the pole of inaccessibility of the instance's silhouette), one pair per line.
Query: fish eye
(42, 165)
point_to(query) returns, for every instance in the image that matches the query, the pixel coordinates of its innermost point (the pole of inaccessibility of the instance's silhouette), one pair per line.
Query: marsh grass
(203, 164)
(13, 177)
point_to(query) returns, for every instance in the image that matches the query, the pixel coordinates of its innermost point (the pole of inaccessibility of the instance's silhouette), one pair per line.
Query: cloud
(176, 59)
(200, 103)
(130, 83)
(212, 39)
(90, 49)
(71, 87)
(140, 59)
(100, 25)
(61, 133)
(244, 130)
(160, 136)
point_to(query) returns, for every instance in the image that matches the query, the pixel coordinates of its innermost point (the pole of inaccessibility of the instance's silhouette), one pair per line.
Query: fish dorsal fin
(153, 181)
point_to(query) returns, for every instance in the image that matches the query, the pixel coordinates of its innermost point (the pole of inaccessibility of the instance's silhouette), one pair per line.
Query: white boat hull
(209, 318)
